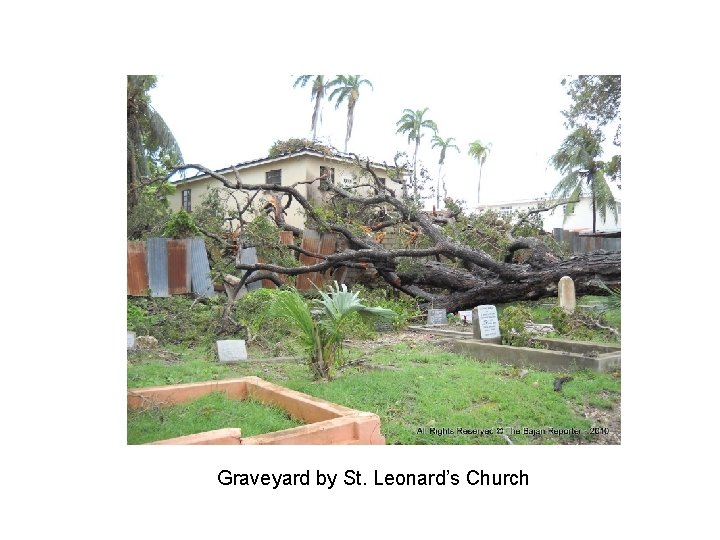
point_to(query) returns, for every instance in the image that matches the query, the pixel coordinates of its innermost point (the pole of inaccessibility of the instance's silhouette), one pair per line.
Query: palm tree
(319, 86)
(348, 87)
(479, 152)
(577, 160)
(149, 139)
(323, 338)
(412, 123)
(443, 144)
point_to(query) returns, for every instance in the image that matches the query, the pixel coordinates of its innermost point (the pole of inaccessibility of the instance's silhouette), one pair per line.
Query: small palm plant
(322, 338)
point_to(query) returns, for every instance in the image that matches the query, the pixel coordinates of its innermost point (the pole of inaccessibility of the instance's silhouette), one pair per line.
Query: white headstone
(436, 317)
(231, 350)
(130, 340)
(486, 324)
(566, 294)
(465, 316)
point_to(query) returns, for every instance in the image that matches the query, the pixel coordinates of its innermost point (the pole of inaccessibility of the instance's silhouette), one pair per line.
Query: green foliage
(512, 326)
(404, 307)
(487, 231)
(179, 320)
(139, 320)
(595, 98)
(322, 338)
(181, 225)
(577, 159)
(152, 150)
(582, 325)
(560, 320)
(252, 312)
(265, 236)
(291, 145)
(596, 101)
(151, 212)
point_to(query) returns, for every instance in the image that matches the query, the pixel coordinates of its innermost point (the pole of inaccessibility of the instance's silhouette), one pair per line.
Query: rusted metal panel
(200, 281)
(178, 275)
(327, 247)
(286, 237)
(157, 266)
(249, 256)
(137, 276)
(311, 243)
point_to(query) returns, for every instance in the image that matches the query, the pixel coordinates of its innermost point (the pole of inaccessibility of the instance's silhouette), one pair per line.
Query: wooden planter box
(325, 422)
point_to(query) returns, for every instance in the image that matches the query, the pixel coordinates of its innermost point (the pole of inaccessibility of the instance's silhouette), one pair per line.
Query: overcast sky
(237, 118)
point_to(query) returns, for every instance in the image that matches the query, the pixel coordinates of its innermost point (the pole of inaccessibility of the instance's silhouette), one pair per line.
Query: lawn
(417, 389)
(214, 411)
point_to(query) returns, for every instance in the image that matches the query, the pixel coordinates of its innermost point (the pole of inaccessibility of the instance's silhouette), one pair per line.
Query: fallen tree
(449, 261)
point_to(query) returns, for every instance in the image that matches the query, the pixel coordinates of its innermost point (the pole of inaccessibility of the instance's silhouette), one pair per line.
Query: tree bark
(461, 277)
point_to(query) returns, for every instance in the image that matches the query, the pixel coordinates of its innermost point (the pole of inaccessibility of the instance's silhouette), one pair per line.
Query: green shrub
(181, 225)
(252, 311)
(512, 326)
(180, 320)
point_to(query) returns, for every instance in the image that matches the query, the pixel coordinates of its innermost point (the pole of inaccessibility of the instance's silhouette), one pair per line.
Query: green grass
(214, 411)
(426, 388)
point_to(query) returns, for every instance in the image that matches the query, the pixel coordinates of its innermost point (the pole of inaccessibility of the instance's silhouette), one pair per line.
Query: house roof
(306, 151)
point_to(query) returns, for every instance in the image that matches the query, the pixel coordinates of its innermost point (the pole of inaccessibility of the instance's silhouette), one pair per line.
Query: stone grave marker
(130, 341)
(485, 324)
(465, 316)
(383, 327)
(231, 351)
(436, 317)
(566, 294)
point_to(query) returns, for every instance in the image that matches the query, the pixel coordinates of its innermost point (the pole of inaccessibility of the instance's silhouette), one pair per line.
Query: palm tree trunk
(415, 183)
(132, 180)
(592, 190)
(479, 178)
(593, 210)
(438, 186)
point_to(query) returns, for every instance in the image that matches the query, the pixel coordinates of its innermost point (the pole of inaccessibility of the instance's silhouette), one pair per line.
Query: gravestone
(231, 351)
(485, 324)
(465, 316)
(383, 327)
(436, 317)
(130, 341)
(566, 294)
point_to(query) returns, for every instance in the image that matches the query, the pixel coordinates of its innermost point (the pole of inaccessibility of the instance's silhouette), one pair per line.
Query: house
(306, 163)
(581, 219)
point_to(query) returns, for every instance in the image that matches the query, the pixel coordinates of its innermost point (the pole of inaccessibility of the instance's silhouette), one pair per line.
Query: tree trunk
(470, 289)
(460, 277)
(415, 182)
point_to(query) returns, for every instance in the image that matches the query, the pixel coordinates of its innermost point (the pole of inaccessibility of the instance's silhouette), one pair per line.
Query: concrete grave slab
(231, 351)
(130, 341)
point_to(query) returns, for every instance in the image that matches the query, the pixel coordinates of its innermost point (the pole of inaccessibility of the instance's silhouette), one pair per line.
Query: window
(186, 200)
(274, 177)
(329, 172)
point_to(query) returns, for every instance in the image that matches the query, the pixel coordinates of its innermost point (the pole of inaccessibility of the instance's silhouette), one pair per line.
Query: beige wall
(294, 169)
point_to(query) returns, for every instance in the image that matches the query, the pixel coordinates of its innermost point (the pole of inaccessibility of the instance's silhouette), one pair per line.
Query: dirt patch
(607, 422)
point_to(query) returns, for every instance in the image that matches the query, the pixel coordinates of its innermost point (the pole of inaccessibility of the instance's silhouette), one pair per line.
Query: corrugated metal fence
(163, 266)
(585, 243)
